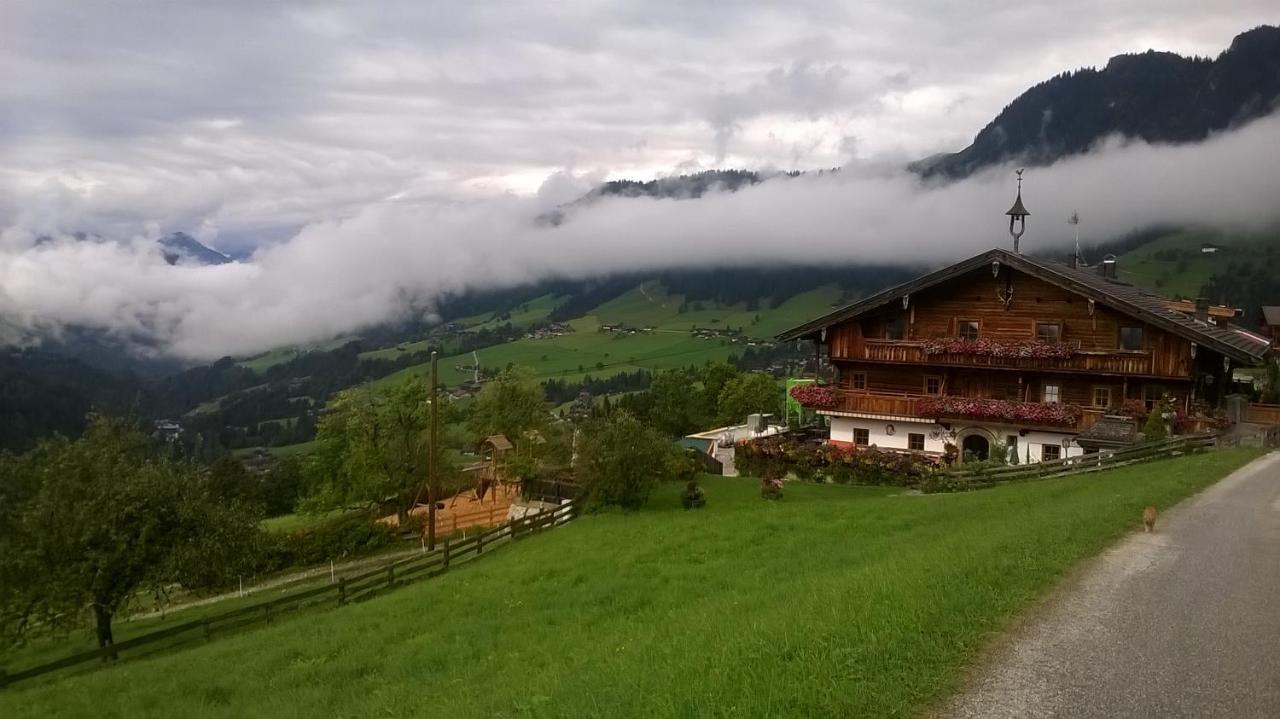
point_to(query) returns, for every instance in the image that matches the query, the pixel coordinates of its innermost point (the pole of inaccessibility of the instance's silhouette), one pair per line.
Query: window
(861, 437)
(1131, 338)
(967, 329)
(1051, 393)
(1050, 452)
(915, 442)
(894, 329)
(1049, 332)
(859, 380)
(1152, 393)
(1102, 397)
(932, 384)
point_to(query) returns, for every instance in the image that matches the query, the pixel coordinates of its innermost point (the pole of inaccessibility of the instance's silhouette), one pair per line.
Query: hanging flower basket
(996, 348)
(999, 410)
(814, 396)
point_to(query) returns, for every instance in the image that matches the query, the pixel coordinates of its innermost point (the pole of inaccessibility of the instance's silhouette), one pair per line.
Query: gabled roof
(1271, 316)
(1231, 341)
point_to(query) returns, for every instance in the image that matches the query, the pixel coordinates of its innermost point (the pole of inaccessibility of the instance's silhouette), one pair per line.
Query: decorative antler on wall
(1005, 295)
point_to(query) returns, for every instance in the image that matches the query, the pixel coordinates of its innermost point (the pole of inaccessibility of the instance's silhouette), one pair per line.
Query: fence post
(391, 574)
(342, 591)
(479, 543)
(448, 546)
(208, 632)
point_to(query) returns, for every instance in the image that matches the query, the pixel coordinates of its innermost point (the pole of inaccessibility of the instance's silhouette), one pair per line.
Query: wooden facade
(884, 351)
(1007, 328)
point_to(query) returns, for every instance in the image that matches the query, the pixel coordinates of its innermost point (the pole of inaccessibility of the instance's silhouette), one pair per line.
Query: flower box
(998, 410)
(814, 395)
(996, 348)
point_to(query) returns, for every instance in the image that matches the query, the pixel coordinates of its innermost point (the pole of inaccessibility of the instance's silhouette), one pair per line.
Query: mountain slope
(1158, 97)
(181, 247)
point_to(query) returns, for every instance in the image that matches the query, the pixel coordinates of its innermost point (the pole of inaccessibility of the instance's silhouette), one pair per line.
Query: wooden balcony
(904, 352)
(889, 404)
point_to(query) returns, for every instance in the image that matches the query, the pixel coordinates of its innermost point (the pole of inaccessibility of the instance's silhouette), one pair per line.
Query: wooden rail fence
(341, 592)
(1092, 462)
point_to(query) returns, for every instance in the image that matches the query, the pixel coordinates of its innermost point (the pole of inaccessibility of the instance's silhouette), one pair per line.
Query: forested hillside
(1158, 97)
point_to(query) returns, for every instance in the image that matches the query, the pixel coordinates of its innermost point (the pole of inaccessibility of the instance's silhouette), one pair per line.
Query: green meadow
(589, 351)
(835, 601)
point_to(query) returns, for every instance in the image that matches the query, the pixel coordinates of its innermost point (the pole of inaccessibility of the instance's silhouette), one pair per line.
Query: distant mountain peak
(181, 248)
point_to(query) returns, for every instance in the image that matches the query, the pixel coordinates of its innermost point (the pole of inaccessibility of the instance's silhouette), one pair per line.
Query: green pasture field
(834, 601)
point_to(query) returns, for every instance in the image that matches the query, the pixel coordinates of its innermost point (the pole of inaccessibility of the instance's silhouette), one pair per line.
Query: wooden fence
(963, 479)
(340, 592)
(1264, 413)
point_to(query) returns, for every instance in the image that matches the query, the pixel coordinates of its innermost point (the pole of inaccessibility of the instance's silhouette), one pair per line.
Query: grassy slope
(835, 601)
(603, 354)
(1185, 277)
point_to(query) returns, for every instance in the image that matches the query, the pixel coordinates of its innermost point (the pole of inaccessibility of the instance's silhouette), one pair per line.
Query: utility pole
(433, 465)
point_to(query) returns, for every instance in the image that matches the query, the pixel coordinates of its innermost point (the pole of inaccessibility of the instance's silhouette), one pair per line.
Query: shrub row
(777, 457)
(350, 535)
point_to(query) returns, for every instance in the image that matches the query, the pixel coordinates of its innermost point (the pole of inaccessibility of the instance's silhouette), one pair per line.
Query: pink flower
(995, 409)
(813, 395)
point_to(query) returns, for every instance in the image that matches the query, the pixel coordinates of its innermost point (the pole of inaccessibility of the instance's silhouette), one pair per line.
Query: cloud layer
(394, 257)
(256, 119)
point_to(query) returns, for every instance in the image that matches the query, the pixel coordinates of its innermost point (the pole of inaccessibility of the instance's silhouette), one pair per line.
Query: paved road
(1183, 622)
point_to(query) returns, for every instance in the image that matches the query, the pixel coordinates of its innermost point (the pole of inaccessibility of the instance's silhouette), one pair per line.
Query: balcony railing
(1127, 363)
(910, 405)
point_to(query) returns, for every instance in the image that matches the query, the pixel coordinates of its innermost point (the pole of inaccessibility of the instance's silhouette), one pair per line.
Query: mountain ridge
(1155, 96)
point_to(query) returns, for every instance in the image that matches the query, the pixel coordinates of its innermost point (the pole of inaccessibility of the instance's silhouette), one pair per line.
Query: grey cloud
(394, 258)
(395, 150)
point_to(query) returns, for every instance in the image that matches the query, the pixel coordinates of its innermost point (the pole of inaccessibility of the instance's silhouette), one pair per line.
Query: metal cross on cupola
(1017, 217)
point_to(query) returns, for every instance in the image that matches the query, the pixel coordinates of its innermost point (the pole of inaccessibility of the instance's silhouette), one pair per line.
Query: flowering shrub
(1215, 418)
(779, 456)
(996, 409)
(1133, 409)
(996, 348)
(814, 395)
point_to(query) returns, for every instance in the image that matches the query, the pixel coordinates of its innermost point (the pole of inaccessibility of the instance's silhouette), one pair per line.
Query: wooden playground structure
(488, 500)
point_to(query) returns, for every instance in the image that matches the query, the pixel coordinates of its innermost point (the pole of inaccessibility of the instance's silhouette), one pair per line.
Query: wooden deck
(904, 352)
(889, 404)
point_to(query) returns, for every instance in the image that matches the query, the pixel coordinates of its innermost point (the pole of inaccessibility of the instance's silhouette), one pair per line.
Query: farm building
(1006, 350)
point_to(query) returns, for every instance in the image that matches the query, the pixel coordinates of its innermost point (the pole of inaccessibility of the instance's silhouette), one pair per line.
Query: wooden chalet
(1005, 348)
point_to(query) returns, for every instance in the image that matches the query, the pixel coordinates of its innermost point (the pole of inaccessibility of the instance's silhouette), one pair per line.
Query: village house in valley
(1006, 350)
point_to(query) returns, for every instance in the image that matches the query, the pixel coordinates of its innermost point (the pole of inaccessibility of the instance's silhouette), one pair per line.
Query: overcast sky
(383, 153)
(255, 118)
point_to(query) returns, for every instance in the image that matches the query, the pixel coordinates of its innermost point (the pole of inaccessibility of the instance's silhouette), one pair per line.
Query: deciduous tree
(510, 404)
(620, 461)
(88, 526)
(372, 446)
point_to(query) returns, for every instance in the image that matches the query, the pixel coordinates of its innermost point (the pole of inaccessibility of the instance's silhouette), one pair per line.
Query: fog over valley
(359, 178)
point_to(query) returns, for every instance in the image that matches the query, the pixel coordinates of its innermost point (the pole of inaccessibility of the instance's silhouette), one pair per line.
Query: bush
(350, 535)
(1155, 430)
(775, 457)
(620, 461)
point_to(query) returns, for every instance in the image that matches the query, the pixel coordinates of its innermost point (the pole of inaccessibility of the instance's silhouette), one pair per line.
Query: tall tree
(678, 406)
(372, 447)
(89, 525)
(620, 461)
(510, 404)
(746, 394)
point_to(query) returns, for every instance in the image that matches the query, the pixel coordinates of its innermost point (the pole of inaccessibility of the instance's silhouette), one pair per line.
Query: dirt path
(1183, 622)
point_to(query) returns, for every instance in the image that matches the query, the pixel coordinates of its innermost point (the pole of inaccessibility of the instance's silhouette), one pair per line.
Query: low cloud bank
(393, 259)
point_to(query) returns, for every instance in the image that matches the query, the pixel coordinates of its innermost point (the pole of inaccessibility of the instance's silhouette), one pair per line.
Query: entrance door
(977, 446)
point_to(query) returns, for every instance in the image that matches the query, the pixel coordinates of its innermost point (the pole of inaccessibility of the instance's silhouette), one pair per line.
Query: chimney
(1108, 267)
(1202, 309)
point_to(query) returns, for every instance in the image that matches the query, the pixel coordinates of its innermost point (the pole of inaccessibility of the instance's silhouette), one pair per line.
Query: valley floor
(836, 601)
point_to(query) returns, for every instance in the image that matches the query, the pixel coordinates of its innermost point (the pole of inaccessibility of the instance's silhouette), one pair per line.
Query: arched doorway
(977, 446)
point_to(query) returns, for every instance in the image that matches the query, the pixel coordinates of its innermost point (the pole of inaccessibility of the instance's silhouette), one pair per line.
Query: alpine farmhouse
(1006, 350)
